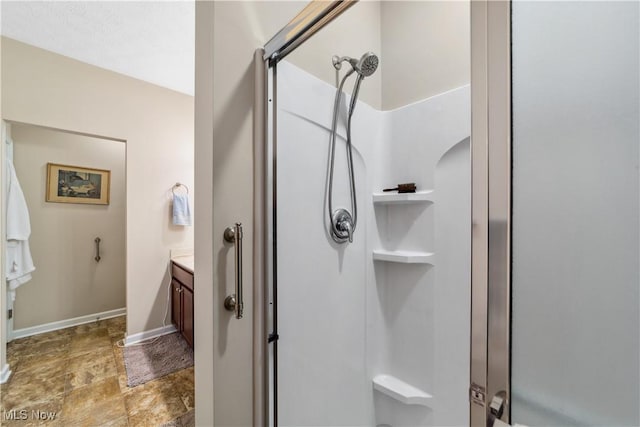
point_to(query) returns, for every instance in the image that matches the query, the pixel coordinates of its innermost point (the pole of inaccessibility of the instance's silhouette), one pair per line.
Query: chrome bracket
(477, 394)
(496, 408)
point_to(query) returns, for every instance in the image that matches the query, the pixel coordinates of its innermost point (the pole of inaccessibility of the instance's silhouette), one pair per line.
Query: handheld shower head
(365, 66)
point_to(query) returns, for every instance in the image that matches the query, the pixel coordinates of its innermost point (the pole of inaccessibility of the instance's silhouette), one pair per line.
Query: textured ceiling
(149, 40)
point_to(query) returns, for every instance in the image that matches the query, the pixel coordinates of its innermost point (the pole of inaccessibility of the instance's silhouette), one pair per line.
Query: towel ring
(178, 185)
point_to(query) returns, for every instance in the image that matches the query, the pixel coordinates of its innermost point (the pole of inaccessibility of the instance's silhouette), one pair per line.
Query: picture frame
(76, 184)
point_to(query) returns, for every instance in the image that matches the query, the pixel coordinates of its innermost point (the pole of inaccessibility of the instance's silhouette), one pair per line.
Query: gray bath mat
(155, 359)
(187, 419)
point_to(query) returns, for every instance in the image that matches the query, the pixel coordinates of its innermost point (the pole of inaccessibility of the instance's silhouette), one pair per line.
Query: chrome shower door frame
(491, 209)
(270, 248)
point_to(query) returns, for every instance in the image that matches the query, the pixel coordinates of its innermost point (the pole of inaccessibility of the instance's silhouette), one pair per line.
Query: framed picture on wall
(75, 184)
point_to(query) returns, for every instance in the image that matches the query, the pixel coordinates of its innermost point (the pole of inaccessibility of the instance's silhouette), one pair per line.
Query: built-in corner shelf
(401, 391)
(403, 198)
(403, 257)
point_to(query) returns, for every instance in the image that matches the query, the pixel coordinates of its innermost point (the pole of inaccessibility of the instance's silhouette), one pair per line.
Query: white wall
(452, 293)
(576, 290)
(322, 316)
(68, 282)
(425, 308)
(47, 89)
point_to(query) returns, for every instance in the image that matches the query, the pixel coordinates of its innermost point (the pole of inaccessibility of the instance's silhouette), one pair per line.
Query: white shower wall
(344, 318)
(321, 285)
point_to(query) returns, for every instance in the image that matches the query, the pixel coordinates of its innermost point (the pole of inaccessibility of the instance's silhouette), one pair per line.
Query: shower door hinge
(477, 394)
(272, 338)
(10, 313)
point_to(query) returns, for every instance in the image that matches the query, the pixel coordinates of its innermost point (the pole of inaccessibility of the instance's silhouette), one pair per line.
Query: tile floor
(78, 373)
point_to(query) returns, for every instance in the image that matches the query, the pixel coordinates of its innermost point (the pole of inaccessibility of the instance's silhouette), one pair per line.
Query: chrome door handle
(97, 257)
(234, 302)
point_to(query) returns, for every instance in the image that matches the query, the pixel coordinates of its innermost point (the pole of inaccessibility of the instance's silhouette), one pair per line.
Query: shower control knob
(342, 226)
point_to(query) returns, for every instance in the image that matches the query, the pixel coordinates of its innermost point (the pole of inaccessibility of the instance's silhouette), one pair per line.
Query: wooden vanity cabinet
(182, 301)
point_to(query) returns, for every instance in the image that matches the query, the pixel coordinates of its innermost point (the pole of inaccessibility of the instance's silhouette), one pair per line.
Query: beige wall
(204, 307)
(46, 89)
(425, 49)
(3, 283)
(353, 33)
(224, 98)
(68, 282)
(424, 46)
(224, 114)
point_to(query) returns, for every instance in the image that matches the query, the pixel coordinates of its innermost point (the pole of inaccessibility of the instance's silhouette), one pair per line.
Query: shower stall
(498, 283)
(370, 290)
(357, 318)
(370, 300)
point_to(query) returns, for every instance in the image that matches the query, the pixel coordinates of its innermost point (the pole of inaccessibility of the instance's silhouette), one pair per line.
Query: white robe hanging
(19, 263)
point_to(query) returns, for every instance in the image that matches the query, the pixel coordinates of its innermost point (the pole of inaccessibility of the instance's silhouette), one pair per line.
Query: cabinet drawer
(183, 276)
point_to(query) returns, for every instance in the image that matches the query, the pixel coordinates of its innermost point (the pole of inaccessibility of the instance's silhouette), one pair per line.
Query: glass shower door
(575, 190)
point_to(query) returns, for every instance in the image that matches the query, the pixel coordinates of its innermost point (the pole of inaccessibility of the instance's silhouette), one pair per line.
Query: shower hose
(332, 150)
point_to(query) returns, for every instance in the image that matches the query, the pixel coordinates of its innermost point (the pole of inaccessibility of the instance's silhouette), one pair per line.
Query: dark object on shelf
(404, 188)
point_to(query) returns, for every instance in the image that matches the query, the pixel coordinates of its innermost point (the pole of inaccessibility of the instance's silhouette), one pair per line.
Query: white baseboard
(5, 374)
(152, 333)
(54, 326)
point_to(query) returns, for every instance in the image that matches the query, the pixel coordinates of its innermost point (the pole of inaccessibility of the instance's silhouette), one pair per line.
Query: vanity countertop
(184, 261)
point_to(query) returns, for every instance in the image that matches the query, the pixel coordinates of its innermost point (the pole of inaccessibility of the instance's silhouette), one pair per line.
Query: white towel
(181, 211)
(19, 263)
(18, 222)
